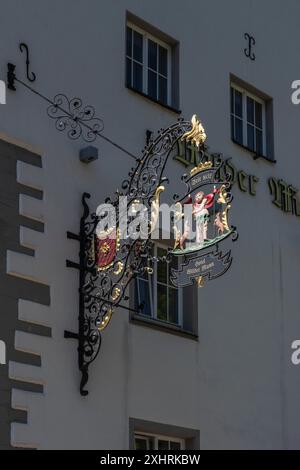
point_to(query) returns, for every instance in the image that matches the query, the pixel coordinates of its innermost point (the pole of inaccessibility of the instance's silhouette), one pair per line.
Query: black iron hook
(251, 42)
(31, 78)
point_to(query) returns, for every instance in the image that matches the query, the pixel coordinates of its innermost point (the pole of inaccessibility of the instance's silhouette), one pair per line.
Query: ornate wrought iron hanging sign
(111, 254)
(210, 200)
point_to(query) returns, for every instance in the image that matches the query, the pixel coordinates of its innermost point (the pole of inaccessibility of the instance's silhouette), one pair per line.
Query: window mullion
(244, 119)
(264, 129)
(151, 289)
(131, 58)
(233, 112)
(254, 130)
(169, 70)
(145, 63)
(180, 305)
(155, 287)
(168, 302)
(157, 72)
(138, 291)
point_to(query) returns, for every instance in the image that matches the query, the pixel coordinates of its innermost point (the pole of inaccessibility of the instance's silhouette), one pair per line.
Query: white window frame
(147, 36)
(158, 437)
(152, 282)
(245, 94)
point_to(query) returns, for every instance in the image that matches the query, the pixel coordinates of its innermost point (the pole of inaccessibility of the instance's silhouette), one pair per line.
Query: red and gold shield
(107, 245)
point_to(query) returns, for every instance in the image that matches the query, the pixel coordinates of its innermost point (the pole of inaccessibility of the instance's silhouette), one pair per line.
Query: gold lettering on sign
(187, 154)
(252, 182)
(285, 196)
(241, 181)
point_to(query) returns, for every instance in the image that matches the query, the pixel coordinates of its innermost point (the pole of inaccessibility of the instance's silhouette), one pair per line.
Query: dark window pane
(258, 114)
(137, 46)
(238, 102)
(238, 130)
(231, 100)
(259, 143)
(161, 266)
(128, 72)
(152, 84)
(150, 443)
(137, 77)
(142, 297)
(250, 110)
(162, 302)
(174, 445)
(163, 90)
(152, 54)
(250, 137)
(163, 445)
(173, 305)
(161, 251)
(128, 41)
(140, 444)
(232, 127)
(163, 61)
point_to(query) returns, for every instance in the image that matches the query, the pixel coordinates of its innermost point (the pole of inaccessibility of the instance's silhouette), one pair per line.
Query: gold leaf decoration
(197, 134)
(200, 167)
(225, 218)
(118, 268)
(200, 281)
(105, 320)
(115, 293)
(222, 195)
(155, 207)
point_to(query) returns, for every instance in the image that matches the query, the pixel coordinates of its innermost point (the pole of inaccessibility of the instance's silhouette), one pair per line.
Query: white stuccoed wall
(237, 385)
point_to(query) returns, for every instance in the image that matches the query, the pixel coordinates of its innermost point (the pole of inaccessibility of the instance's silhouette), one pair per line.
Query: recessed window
(157, 295)
(148, 65)
(248, 120)
(156, 442)
(149, 435)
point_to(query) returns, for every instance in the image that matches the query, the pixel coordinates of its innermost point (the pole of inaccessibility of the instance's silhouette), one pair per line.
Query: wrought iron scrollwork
(104, 278)
(71, 115)
(102, 290)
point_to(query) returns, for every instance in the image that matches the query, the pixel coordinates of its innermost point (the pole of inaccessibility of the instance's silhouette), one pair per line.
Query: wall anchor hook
(23, 47)
(251, 42)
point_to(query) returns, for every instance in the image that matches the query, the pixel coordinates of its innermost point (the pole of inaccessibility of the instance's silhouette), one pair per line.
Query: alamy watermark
(2, 92)
(186, 221)
(295, 358)
(2, 353)
(295, 96)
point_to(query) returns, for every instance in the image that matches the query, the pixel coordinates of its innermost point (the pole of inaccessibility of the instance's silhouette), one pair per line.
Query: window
(148, 65)
(156, 442)
(160, 299)
(149, 435)
(248, 120)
